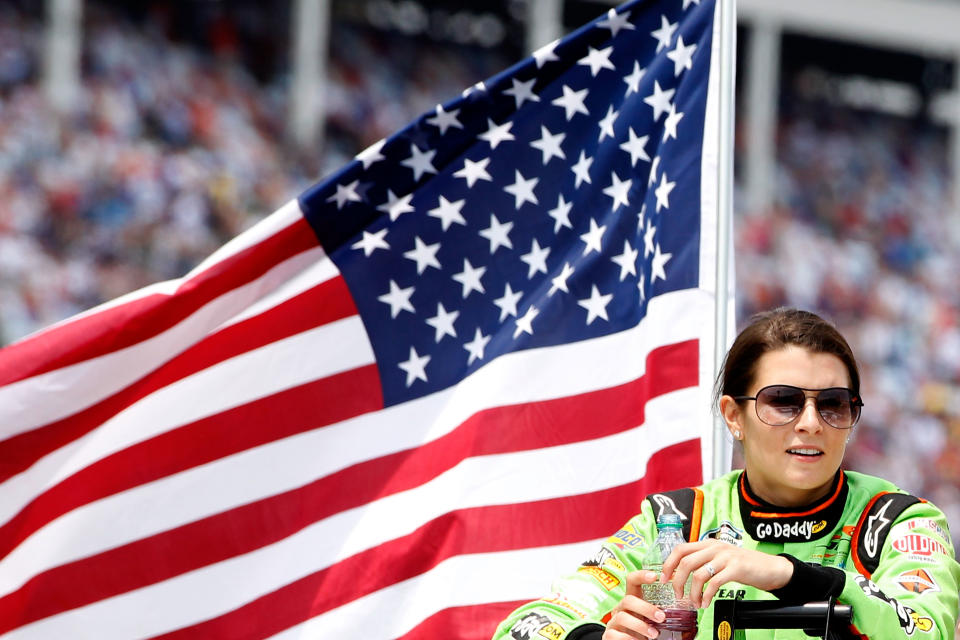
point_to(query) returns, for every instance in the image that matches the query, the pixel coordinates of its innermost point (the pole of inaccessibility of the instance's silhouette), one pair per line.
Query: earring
(736, 434)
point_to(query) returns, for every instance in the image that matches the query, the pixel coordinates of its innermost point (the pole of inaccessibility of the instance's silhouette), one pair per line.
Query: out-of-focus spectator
(171, 150)
(863, 230)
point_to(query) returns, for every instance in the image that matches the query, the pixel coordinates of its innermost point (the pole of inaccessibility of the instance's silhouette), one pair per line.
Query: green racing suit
(883, 552)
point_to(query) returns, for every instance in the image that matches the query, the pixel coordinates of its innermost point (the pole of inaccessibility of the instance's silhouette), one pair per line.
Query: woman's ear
(732, 415)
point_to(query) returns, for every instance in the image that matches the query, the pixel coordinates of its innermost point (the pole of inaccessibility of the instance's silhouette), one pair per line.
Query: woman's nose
(809, 418)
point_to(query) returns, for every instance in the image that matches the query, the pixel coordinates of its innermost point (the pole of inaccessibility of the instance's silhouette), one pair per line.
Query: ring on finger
(710, 569)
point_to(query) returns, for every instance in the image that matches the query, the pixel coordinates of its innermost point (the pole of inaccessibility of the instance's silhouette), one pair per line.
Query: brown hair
(776, 329)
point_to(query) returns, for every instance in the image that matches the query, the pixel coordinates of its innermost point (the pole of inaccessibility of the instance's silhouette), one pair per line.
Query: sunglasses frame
(854, 401)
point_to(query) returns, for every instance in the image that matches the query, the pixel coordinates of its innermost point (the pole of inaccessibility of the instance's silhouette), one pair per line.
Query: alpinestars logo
(875, 525)
(666, 505)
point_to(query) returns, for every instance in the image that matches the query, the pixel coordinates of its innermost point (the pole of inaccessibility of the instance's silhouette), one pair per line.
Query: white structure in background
(61, 53)
(310, 27)
(544, 23)
(923, 27)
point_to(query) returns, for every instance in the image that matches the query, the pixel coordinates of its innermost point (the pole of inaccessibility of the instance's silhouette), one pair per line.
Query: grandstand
(152, 134)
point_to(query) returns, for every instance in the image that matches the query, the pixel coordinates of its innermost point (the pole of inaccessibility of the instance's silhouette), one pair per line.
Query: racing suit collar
(769, 523)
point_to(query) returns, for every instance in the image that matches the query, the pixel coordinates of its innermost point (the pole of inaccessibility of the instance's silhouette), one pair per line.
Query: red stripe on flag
(310, 406)
(257, 524)
(128, 324)
(327, 302)
(481, 530)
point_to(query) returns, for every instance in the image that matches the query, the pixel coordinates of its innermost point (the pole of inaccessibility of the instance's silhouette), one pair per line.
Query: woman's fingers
(641, 608)
(629, 626)
(636, 580)
(691, 561)
(710, 564)
(699, 578)
(634, 617)
(681, 552)
(711, 587)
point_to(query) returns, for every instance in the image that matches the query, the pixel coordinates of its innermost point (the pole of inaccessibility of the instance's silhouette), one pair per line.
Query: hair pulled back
(777, 329)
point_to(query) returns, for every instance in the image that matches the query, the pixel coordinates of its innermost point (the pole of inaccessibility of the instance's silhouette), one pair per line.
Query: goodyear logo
(724, 631)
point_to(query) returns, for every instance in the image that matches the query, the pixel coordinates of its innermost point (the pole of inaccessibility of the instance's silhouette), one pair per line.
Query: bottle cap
(669, 521)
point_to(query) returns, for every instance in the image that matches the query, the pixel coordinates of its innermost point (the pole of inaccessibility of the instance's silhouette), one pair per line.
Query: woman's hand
(631, 618)
(713, 564)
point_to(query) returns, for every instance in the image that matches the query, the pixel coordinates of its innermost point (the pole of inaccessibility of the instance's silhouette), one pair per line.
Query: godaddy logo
(804, 529)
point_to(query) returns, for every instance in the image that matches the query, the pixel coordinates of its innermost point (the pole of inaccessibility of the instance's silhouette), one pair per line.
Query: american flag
(399, 404)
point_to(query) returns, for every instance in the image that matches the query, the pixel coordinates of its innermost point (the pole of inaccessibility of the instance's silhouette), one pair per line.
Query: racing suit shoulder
(863, 487)
(581, 600)
(912, 590)
(708, 510)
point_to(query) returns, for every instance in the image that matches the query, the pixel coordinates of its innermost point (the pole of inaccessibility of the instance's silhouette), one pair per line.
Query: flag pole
(728, 32)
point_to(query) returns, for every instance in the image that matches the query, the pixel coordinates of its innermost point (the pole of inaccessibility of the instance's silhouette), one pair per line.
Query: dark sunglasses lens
(779, 404)
(837, 408)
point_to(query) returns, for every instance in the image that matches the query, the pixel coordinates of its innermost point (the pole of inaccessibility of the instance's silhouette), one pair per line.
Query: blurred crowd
(862, 229)
(172, 149)
(166, 154)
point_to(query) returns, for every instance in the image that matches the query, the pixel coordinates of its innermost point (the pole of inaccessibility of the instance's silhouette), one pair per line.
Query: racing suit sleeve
(913, 593)
(579, 600)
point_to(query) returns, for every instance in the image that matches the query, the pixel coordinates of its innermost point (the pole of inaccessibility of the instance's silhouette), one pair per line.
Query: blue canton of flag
(546, 205)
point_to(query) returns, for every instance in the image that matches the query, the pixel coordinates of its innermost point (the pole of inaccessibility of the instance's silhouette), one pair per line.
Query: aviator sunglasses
(780, 404)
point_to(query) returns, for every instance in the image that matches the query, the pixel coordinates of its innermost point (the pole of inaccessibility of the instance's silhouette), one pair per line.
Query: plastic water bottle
(681, 622)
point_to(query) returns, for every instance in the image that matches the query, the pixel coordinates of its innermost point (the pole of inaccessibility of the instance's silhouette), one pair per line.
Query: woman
(790, 525)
